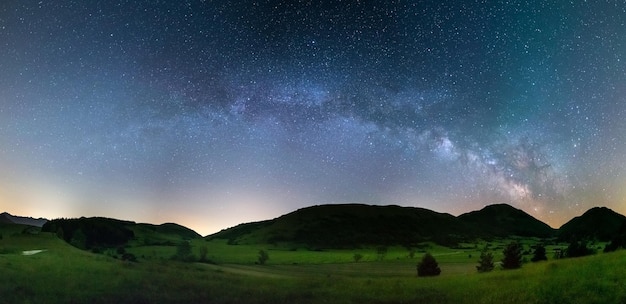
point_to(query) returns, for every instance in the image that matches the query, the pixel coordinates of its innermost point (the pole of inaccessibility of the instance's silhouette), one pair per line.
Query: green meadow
(64, 274)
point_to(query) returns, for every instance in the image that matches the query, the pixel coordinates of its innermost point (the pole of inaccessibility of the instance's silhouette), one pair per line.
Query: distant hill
(503, 220)
(350, 225)
(5, 219)
(100, 232)
(599, 222)
(8, 218)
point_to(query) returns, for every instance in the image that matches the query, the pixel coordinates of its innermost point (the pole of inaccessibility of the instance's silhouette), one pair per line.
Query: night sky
(213, 113)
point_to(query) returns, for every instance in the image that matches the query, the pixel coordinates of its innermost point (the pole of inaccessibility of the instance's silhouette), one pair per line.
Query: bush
(539, 254)
(428, 266)
(578, 249)
(512, 256)
(183, 252)
(485, 263)
(263, 257)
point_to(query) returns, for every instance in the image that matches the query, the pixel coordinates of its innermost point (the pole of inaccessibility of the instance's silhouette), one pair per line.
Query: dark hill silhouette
(503, 220)
(171, 229)
(597, 223)
(8, 218)
(351, 225)
(5, 219)
(100, 232)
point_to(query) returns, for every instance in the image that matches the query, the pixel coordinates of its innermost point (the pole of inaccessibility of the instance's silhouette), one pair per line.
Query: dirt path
(32, 252)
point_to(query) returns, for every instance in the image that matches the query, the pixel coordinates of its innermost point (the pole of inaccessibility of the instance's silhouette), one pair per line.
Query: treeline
(91, 233)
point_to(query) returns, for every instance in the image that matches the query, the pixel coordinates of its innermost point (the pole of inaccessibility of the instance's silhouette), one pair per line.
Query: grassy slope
(65, 274)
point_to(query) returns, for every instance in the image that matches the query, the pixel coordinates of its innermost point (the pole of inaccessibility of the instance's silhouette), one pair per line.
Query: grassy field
(65, 274)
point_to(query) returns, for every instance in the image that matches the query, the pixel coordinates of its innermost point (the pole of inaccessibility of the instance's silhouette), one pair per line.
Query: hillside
(599, 222)
(353, 225)
(503, 220)
(99, 232)
(8, 218)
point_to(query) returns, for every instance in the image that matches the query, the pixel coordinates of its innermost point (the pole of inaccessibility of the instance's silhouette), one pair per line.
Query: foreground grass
(65, 274)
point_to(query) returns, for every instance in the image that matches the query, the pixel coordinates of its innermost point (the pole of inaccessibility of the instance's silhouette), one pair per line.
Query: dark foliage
(428, 266)
(539, 254)
(88, 233)
(263, 257)
(357, 257)
(577, 249)
(512, 256)
(485, 262)
(183, 252)
(129, 257)
(618, 240)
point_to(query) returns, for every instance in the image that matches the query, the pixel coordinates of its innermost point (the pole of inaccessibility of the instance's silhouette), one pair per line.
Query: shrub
(578, 249)
(183, 252)
(485, 263)
(203, 253)
(263, 257)
(428, 266)
(512, 256)
(539, 254)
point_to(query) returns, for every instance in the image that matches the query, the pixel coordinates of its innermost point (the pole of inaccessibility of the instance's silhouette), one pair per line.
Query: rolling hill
(597, 223)
(8, 218)
(353, 225)
(503, 220)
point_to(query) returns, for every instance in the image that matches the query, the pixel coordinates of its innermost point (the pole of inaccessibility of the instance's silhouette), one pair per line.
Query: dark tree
(512, 256)
(357, 257)
(539, 254)
(263, 257)
(428, 266)
(183, 252)
(485, 263)
(578, 249)
(203, 253)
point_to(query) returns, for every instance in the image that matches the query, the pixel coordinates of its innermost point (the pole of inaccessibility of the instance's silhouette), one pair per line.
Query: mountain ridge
(23, 220)
(349, 225)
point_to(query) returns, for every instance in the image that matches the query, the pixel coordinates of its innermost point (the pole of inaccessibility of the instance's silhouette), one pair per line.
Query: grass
(64, 274)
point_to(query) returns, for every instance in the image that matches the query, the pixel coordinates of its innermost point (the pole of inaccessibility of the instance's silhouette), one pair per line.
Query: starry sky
(213, 113)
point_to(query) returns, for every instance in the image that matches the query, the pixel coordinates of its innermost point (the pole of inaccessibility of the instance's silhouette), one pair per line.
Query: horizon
(213, 115)
(204, 234)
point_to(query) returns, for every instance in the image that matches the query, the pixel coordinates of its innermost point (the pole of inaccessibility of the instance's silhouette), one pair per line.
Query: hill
(502, 220)
(8, 218)
(597, 223)
(353, 225)
(96, 233)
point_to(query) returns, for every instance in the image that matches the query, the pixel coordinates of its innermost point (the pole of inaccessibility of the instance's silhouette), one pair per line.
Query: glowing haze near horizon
(214, 113)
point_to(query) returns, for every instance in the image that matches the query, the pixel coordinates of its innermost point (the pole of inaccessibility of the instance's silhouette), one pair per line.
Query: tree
(428, 266)
(485, 263)
(263, 257)
(203, 253)
(357, 257)
(79, 239)
(578, 249)
(183, 252)
(512, 256)
(539, 254)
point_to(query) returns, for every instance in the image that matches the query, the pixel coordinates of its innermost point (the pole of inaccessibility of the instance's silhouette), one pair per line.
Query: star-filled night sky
(213, 113)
